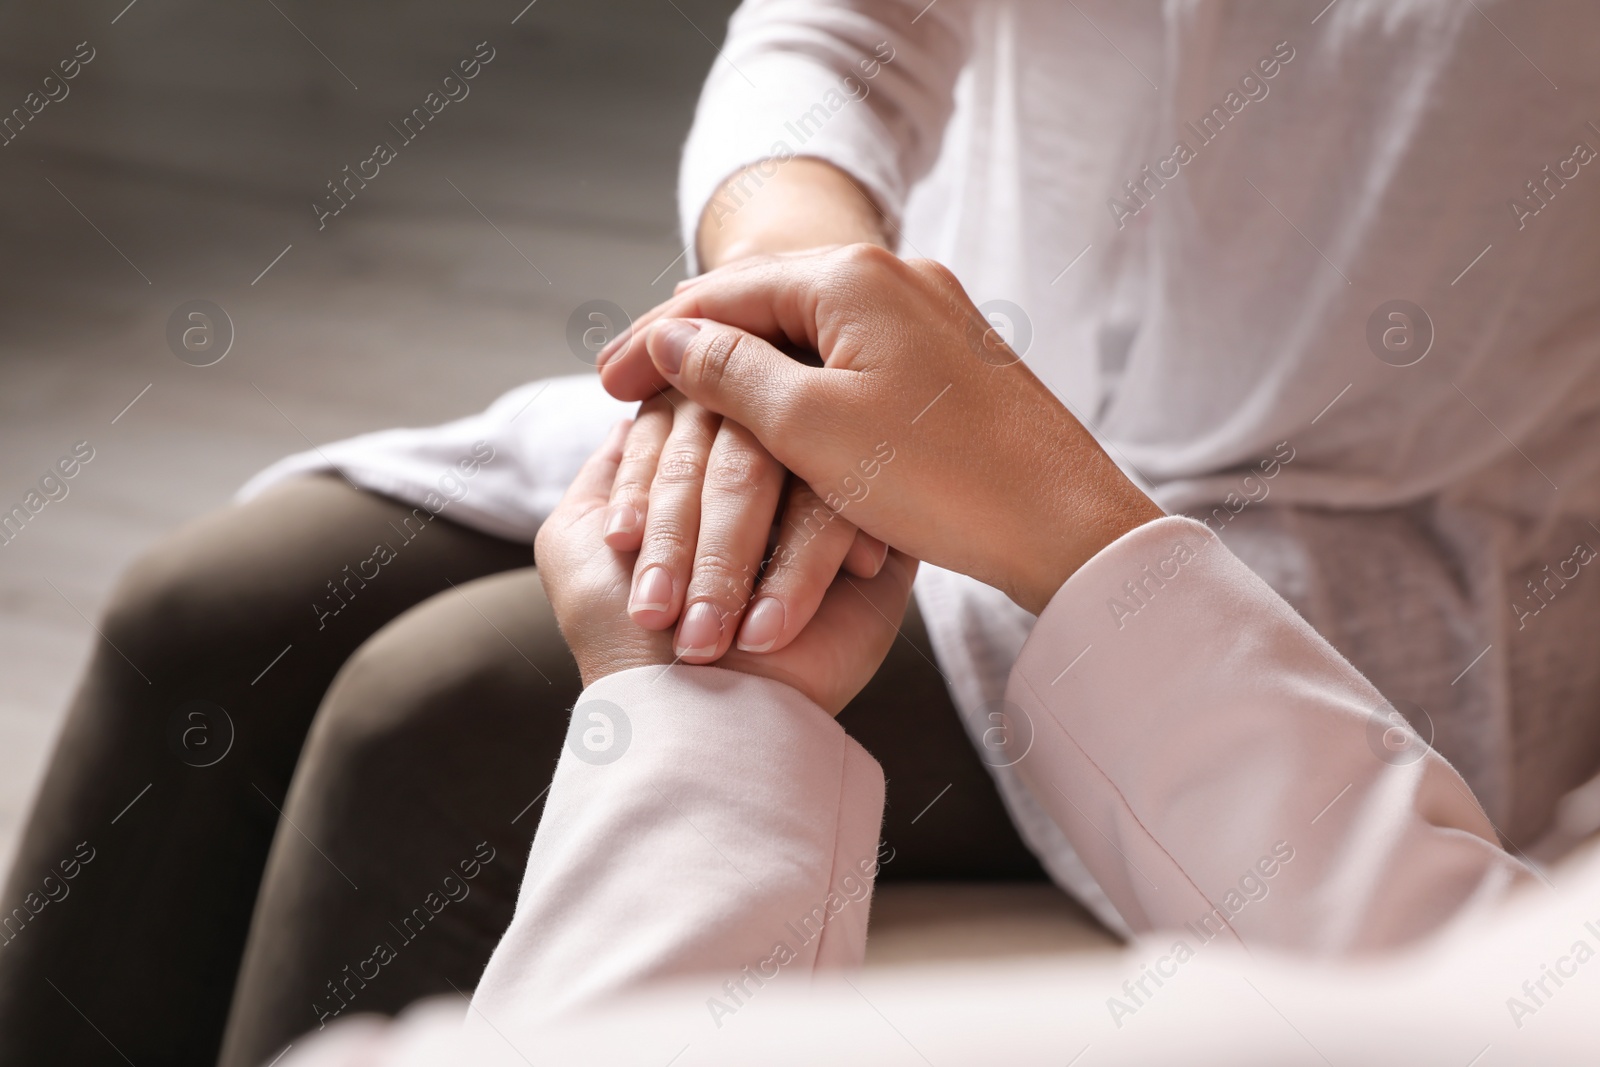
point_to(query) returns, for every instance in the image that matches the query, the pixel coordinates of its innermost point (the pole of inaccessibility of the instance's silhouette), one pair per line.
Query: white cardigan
(1210, 757)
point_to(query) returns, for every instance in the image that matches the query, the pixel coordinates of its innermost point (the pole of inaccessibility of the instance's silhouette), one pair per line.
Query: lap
(408, 823)
(435, 745)
(223, 611)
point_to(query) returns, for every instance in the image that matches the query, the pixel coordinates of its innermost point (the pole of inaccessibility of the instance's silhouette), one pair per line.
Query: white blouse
(1194, 220)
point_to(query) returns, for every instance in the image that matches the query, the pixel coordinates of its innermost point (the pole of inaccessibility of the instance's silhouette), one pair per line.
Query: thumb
(736, 374)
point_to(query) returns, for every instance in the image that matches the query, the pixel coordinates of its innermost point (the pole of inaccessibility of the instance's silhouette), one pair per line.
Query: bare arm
(786, 206)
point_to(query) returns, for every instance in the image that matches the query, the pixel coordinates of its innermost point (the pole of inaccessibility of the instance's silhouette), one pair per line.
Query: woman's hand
(588, 585)
(923, 427)
(696, 497)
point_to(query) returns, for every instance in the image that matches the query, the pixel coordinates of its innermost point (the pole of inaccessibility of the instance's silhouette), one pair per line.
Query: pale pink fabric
(1207, 743)
(737, 810)
(1192, 731)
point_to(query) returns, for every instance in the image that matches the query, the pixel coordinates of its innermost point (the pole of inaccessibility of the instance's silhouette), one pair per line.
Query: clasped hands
(920, 437)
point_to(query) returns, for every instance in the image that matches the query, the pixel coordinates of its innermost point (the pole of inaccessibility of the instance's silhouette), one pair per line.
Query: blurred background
(182, 164)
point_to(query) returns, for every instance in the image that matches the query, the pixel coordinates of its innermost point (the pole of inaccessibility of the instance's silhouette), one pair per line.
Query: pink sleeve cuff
(701, 821)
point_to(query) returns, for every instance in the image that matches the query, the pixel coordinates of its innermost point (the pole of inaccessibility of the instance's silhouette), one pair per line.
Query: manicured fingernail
(668, 341)
(763, 626)
(623, 519)
(700, 632)
(652, 591)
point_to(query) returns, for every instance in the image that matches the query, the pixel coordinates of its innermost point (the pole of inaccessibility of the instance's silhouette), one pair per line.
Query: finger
(672, 519)
(630, 494)
(888, 593)
(599, 471)
(769, 297)
(786, 404)
(871, 632)
(812, 542)
(641, 379)
(742, 486)
(866, 555)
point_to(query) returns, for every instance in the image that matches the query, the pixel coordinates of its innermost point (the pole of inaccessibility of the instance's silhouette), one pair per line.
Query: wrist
(600, 656)
(1085, 505)
(785, 206)
(1057, 558)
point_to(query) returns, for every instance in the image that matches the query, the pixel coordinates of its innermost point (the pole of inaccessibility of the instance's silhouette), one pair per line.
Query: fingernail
(668, 341)
(623, 519)
(652, 591)
(700, 632)
(763, 626)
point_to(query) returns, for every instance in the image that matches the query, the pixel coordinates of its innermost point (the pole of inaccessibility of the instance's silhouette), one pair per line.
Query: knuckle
(717, 348)
(737, 471)
(657, 407)
(866, 256)
(933, 271)
(719, 577)
(800, 567)
(631, 491)
(665, 541)
(551, 538)
(680, 467)
(816, 542)
(636, 453)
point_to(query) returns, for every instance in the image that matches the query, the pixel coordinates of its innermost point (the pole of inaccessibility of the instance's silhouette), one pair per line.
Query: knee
(230, 580)
(163, 606)
(444, 677)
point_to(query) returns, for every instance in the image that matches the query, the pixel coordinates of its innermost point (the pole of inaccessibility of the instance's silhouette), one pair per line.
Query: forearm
(866, 86)
(786, 206)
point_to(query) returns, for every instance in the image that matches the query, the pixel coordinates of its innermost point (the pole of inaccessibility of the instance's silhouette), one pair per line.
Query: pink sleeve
(701, 821)
(1220, 767)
